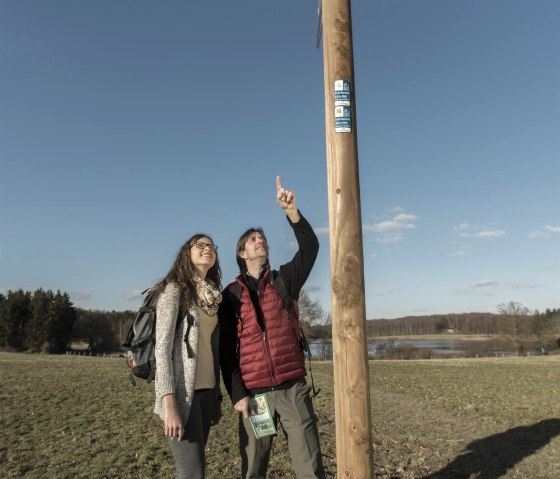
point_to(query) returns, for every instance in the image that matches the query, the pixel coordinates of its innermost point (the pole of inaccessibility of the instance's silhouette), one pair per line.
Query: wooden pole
(354, 453)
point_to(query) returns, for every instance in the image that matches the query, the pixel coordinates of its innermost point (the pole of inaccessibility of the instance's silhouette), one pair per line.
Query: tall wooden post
(351, 373)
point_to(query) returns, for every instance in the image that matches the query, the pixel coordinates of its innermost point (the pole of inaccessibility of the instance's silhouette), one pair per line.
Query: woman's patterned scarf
(208, 297)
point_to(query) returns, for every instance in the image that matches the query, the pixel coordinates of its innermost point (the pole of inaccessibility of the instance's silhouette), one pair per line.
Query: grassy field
(78, 417)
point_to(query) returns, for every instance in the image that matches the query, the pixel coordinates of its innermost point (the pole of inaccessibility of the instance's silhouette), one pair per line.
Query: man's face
(255, 247)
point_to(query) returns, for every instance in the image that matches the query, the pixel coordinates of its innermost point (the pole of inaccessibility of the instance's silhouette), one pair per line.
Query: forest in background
(44, 321)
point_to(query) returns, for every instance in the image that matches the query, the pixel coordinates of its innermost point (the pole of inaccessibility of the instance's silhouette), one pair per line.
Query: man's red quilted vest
(272, 357)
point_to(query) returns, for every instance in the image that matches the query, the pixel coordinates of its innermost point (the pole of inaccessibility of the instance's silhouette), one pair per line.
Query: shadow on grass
(491, 457)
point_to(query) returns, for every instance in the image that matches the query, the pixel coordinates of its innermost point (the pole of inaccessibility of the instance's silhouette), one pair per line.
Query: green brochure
(261, 419)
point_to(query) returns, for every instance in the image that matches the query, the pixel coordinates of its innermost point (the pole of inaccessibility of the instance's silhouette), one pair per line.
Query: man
(260, 350)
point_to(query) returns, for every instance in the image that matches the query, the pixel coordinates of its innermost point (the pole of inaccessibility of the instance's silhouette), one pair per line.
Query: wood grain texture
(351, 374)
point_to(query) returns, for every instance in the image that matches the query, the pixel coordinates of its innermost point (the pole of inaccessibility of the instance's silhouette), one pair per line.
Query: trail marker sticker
(342, 106)
(342, 119)
(342, 92)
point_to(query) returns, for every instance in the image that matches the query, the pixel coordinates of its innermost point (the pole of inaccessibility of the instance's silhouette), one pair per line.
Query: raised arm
(287, 201)
(295, 272)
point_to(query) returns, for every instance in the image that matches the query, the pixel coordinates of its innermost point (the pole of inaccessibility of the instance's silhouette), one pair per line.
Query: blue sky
(128, 125)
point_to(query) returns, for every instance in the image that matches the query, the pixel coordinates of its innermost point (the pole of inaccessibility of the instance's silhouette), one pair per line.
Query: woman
(187, 381)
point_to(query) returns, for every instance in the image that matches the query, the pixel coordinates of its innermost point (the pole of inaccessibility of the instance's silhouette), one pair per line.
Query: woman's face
(203, 255)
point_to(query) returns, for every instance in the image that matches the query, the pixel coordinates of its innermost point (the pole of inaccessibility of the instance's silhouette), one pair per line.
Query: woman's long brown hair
(183, 270)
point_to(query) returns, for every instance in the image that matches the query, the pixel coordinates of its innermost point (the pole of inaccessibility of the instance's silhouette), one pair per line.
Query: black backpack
(141, 340)
(291, 306)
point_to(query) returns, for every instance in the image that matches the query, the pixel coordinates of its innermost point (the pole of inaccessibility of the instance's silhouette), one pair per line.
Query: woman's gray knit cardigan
(175, 371)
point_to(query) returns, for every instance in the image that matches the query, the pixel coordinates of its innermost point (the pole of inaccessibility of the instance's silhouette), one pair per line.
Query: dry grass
(79, 417)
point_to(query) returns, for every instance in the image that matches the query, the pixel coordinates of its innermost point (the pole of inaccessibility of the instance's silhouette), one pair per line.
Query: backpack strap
(236, 290)
(280, 286)
(190, 323)
(290, 305)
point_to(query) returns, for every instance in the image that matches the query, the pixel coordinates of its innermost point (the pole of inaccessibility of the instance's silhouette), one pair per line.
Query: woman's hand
(172, 423)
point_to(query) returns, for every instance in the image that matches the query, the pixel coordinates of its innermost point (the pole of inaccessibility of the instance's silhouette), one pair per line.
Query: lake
(444, 346)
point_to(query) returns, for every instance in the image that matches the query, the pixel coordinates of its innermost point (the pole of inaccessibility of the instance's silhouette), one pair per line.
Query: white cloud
(462, 227)
(458, 253)
(484, 284)
(466, 230)
(389, 231)
(388, 226)
(545, 232)
(132, 295)
(490, 234)
(538, 234)
(403, 217)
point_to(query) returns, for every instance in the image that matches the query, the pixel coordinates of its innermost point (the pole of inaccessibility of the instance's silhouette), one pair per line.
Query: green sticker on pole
(342, 106)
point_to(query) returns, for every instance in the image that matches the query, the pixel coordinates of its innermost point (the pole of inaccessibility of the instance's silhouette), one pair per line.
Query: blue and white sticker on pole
(342, 107)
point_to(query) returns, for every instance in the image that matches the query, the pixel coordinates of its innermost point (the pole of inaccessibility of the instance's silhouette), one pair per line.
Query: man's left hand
(287, 201)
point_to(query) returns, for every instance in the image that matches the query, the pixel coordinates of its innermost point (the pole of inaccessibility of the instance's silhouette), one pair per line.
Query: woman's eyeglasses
(201, 245)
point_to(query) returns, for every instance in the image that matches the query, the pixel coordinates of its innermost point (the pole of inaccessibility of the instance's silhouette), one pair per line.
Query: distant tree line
(512, 323)
(39, 321)
(48, 322)
(102, 331)
(44, 321)
(469, 323)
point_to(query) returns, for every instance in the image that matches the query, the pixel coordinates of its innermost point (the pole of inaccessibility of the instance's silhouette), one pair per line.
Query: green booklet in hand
(261, 419)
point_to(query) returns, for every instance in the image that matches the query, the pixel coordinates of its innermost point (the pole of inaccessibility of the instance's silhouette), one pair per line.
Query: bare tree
(310, 312)
(515, 325)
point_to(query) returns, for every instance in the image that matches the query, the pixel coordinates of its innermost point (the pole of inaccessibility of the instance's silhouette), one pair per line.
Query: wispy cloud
(467, 230)
(387, 231)
(391, 230)
(545, 232)
(523, 285)
(464, 291)
(322, 230)
(311, 288)
(458, 253)
(132, 295)
(490, 234)
(484, 284)
(387, 292)
(76, 296)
